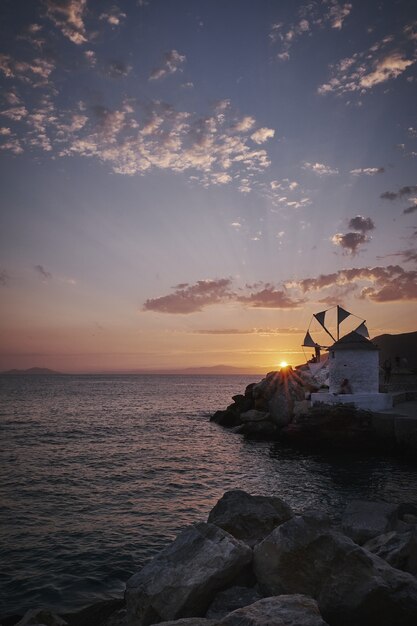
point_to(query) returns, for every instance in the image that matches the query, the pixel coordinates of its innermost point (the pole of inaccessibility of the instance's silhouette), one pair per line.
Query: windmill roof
(353, 341)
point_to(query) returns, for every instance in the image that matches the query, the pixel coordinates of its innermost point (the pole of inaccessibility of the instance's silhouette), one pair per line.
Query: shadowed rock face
(293, 610)
(183, 579)
(249, 518)
(397, 549)
(363, 520)
(351, 585)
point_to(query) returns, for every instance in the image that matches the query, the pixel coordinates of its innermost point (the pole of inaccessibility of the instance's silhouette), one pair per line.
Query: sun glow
(283, 364)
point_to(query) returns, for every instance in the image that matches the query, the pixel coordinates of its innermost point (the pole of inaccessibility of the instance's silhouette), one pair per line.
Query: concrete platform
(367, 401)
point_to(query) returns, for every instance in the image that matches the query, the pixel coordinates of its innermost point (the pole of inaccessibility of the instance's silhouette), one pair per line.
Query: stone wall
(360, 367)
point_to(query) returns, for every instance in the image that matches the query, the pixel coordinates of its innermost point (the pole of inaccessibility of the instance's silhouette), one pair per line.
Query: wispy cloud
(312, 16)
(68, 17)
(42, 272)
(407, 190)
(113, 17)
(367, 171)
(320, 168)
(172, 62)
(262, 134)
(383, 61)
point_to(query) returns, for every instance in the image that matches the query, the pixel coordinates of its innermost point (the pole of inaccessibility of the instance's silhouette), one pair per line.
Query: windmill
(327, 324)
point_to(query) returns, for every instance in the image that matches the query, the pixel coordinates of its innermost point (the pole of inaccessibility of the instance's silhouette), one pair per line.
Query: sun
(283, 364)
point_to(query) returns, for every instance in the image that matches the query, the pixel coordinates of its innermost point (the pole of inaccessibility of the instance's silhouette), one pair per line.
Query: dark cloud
(362, 224)
(410, 209)
(350, 242)
(4, 278)
(42, 272)
(403, 191)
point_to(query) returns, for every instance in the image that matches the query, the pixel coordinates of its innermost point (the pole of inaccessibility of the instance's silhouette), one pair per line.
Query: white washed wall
(361, 367)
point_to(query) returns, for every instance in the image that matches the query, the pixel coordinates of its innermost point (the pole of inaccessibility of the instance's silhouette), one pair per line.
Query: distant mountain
(214, 370)
(402, 347)
(31, 371)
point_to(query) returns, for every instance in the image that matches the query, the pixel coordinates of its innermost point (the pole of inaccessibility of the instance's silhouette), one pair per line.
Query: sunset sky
(184, 182)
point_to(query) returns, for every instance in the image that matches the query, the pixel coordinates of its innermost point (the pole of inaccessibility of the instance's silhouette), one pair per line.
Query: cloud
(385, 60)
(262, 134)
(403, 191)
(250, 331)
(42, 272)
(362, 224)
(320, 169)
(4, 278)
(191, 298)
(368, 171)
(412, 208)
(387, 284)
(35, 72)
(118, 69)
(113, 17)
(246, 123)
(194, 298)
(172, 63)
(350, 242)
(312, 16)
(67, 16)
(408, 256)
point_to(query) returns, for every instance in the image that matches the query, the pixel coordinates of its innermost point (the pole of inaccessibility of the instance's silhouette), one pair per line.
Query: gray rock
(249, 518)
(118, 618)
(182, 580)
(254, 416)
(397, 549)
(363, 520)
(41, 617)
(350, 584)
(281, 408)
(190, 621)
(230, 600)
(285, 610)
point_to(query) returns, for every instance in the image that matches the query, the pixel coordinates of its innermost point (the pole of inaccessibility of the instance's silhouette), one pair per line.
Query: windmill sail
(309, 341)
(362, 330)
(342, 314)
(320, 318)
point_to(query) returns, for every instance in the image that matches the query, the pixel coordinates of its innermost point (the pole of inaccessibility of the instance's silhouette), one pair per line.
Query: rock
(260, 430)
(190, 621)
(230, 600)
(350, 584)
(254, 416)
(41, 617)
(285, 610)
(118, 618)
(249, 518)
(182, 580)
(101, 613)
(227, 418)
(363, 520)
(281, 408)
(397, 549)
(249, 390)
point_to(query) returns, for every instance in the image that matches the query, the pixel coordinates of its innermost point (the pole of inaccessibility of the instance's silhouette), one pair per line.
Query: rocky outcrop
(249, 518)
(351, 585)
(231, 599)
(182, 580)
(285, 610)
(42, 617)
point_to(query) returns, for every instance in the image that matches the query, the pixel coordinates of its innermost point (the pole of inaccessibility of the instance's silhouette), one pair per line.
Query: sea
(99, 472)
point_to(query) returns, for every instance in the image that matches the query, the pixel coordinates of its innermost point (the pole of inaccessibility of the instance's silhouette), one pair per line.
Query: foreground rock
(231, 599)
(284, 610)
(351, 585)
(397, 549)
(41, 617)
(182, 580)
(249, 518)
(364, 520)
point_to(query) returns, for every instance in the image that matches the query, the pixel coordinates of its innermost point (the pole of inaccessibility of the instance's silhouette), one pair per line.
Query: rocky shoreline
(278, 408)
(256, 562)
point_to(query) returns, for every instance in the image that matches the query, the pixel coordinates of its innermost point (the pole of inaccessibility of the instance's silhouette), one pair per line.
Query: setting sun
(283, 364)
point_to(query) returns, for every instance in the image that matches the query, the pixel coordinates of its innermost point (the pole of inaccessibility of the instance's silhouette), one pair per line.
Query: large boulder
(254, 416)
(350, 584)
(264, 429)
(249, 518)
(397, 549)
(230, 600)
(42, 617)
(363, 520)
(285, 610)
(182, 580)
(190, 621)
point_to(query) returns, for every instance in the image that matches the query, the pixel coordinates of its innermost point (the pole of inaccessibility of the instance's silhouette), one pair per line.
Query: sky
(185, 182)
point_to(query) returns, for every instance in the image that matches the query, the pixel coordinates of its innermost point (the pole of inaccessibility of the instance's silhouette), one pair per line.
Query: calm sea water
(100, 472)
